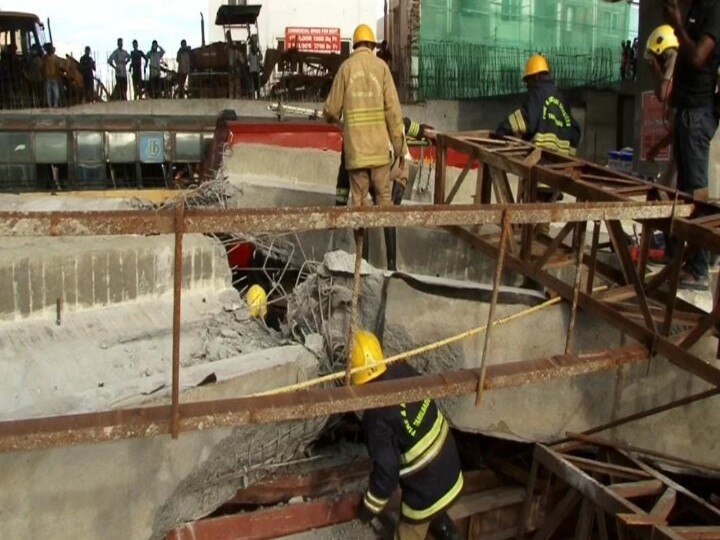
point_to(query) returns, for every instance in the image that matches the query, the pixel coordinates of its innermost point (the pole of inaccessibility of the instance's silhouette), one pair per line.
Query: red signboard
(653, 126)
(324, 40)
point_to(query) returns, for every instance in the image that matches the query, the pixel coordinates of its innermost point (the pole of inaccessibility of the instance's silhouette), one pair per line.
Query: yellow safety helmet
(536, 64)
(366, 353)
(661, 39)
(363, 34)
(257, 301)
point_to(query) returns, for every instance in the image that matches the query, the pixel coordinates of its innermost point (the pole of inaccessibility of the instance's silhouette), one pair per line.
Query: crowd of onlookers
(41, 78)
(146, 71)
(628, 60)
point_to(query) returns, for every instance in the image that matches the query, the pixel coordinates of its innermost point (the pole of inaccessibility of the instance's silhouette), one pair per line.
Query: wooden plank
(440, 170)
(272, 522)
(618, 471)
(558, 515)
(583, 529)
(699, 533)
(477, 503)
(664, 505)
(642, 488)
(311, 485)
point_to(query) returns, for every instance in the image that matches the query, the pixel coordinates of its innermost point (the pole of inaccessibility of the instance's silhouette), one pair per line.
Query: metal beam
(299, 219)
(150, 421)
(651, 340)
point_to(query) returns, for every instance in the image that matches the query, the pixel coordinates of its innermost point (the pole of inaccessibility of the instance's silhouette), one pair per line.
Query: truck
(22, 48)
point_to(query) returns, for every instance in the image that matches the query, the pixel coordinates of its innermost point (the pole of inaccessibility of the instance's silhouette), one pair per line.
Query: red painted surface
(240, 255)
(316, 135)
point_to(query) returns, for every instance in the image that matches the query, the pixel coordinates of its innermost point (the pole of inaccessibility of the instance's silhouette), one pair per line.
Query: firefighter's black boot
(390, 248)
(443, 528)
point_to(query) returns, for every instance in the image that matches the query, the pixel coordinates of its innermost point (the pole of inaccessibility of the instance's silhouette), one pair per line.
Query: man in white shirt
(154, 56)
(119, 60)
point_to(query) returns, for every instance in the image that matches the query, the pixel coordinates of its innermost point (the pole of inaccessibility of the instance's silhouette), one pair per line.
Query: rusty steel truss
(645, 308)
(609, 493)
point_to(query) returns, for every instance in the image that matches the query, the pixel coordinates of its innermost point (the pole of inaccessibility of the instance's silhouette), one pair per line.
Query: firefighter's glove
(428, 132)
(365, 514)
(398, 190)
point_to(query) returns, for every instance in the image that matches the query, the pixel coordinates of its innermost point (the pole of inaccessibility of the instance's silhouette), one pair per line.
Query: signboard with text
(653, 126)
(306, 39)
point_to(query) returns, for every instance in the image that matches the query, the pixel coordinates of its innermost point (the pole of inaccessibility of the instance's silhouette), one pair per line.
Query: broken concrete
(418, 315)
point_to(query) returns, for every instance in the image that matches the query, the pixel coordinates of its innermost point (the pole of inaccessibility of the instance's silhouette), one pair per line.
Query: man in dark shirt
(136, 59)
(87, 68)
(695, 120)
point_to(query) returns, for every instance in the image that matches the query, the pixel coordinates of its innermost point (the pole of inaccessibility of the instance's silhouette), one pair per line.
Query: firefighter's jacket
(364, 95)
(544, 119)
(413, 130)
(411, 444)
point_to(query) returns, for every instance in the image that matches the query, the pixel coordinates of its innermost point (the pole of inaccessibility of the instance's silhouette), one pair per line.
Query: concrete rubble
(115, 325)
(405, 311)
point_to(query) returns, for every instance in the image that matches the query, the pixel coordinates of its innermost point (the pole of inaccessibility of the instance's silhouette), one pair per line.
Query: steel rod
(504, 237)
(580, 228)
(177, 304)
(359, 243)
(299, 219)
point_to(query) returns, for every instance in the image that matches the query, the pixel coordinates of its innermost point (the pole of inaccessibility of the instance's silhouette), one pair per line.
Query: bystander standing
(119, 60)
(87, 69)
(183, 62)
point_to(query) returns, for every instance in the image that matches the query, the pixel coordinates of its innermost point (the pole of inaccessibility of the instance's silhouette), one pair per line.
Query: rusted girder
(297, 219)
(634, 329)
(150, 421)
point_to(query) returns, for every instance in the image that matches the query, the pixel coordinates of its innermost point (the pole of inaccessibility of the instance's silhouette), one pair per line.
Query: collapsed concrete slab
(410, 313)
(111, 347)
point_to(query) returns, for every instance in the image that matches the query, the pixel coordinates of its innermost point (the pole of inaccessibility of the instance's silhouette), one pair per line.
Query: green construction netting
(478, 48)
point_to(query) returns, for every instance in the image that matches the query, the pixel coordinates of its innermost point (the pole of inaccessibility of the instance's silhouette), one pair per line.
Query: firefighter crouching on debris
(363, 94)
(399, 174)
(410, 445)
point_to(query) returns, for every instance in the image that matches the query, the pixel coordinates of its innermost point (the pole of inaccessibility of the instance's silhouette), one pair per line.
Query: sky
(98, 23)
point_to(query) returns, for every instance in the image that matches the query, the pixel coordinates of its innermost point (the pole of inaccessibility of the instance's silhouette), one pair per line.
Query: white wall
(275, 15)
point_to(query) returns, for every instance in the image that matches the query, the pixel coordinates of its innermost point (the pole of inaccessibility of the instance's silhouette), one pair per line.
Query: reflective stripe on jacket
(411, 445)
(544, 119)
(364, 95)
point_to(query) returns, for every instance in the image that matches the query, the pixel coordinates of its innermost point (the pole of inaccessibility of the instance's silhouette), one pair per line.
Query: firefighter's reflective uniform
(399, 172)
(546, 121)
(411, 444)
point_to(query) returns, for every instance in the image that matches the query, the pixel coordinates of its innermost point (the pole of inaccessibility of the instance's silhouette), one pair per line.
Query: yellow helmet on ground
(366, 353)
(257, 301)
(661, 39)
(363, 34)
(536, 64)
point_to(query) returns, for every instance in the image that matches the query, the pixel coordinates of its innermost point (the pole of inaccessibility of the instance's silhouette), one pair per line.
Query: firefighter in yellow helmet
(661, 52)
(363, 94)
(411, 445)
(545, 118)
(257, 302)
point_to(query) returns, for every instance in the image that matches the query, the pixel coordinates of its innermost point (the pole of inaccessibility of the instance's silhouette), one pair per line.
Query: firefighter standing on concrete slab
(544, 119)
(411, 445)
(399, 174)
(661, 54)
(364, 95)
